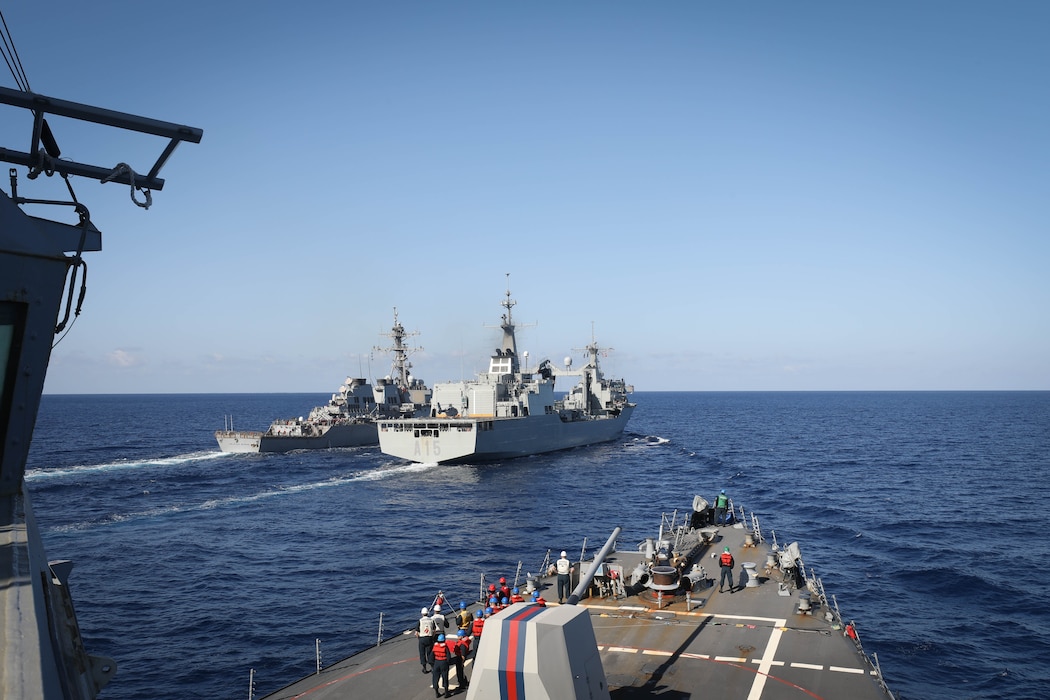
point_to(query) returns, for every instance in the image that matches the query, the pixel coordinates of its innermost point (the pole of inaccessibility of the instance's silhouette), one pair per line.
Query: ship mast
(399, 368)
(509, 346)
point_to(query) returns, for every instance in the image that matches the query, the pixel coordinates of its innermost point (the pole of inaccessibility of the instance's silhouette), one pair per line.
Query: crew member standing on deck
(464, 618)
(425, 634)
(721, 503)
(727, 564)
(440, 623)
(439, 659)
(460, 647)
(476, 629)
(564, 568)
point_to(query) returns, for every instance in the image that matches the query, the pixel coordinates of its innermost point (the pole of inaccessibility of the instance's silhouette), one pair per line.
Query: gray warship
(651, 620)
(511, 412)
(349, 418)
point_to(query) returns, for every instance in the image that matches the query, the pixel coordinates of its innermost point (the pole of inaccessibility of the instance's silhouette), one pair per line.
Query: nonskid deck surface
(751, 643)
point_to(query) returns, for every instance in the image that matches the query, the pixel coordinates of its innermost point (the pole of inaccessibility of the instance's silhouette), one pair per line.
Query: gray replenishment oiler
(42, 652)
(349, 418)
(652, 621)
(510, 412)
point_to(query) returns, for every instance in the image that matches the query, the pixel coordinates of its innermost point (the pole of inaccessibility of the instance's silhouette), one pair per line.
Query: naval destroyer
(648, 619)
(511, 412)
(349, 418)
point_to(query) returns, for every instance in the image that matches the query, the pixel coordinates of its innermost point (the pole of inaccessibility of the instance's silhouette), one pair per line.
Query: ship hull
(446, 440)
(354, 435)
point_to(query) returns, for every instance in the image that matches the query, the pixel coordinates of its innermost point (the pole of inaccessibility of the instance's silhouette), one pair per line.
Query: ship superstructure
(509, 411)
(349, 418)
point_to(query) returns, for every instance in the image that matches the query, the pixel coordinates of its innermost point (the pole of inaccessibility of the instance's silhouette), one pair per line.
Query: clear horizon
(750, 197)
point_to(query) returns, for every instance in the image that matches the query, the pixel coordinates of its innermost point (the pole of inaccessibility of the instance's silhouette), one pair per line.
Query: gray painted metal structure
(42, 654)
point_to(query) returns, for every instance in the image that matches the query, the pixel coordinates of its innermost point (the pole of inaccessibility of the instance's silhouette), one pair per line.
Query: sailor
(504, 589)
(538, 599)
(439, 660)
(721, 503)
(564, 568)
(727, 564)
(515, 596)
(476, 628)
(464, 618)
(440, 623)
(460, 647)
(425, 633)
(492, 592)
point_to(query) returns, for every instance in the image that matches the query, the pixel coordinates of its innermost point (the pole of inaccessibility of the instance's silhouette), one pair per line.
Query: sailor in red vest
(425, 634)
(476, 628)
(460, 647)
(504, 589)
(515, 596)
(439, 659)
(727, 564)
(492, 592)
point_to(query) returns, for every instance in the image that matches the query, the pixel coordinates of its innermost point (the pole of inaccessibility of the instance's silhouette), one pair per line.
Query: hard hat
(515, 590)
(564, 554)
(488, 611)
(502, 579)
(535, 595)
(423, 611)
(462, 604)
(461, 633)
(441, 637)
(726, 549)
(477, 613)
(492, 599)
(492, 586)
(505, 601)
(723, 490)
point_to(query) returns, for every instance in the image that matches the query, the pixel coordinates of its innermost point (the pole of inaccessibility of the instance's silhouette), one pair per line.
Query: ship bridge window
(500, 365)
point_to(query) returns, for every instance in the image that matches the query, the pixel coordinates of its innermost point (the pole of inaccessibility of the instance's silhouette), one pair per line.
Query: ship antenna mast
(400, 366)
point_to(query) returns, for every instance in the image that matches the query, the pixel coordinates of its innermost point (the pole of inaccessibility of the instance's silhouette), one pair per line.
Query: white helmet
(564, 554)
(423, 611)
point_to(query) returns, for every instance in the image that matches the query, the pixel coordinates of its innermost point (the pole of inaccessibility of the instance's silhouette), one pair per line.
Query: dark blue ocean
(926, 514)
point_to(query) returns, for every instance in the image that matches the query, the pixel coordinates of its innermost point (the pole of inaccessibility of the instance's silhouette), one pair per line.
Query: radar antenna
(400, 367)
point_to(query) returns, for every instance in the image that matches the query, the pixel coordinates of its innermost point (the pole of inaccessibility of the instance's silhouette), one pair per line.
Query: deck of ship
(750, 643)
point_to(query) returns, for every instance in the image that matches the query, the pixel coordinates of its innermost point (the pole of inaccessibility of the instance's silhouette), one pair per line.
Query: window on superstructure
(500, 365)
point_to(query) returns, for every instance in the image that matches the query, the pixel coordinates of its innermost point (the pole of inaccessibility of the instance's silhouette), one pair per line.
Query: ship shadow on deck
(653, 685)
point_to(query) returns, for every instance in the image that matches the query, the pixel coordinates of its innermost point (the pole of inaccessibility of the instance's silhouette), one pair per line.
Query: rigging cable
(14, 61)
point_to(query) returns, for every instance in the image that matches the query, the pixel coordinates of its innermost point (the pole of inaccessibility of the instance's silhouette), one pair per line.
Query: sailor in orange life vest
(727, 564)
(460, 647)
(439, 659)
(475, 630)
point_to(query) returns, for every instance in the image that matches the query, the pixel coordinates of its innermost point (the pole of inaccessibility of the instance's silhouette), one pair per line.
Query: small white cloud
(123, 358)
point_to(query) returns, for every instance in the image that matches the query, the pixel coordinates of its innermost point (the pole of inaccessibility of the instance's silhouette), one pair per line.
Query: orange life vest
(476, 628)
(440, 652)
(727, 559)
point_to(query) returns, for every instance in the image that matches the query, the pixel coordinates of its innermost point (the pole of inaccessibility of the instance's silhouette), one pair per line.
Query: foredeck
(750, 643)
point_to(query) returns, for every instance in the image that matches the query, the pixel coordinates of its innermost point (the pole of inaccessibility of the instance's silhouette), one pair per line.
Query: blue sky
(733, 196)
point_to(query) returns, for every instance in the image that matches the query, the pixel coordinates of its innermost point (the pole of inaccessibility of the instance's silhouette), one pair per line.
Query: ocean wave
(122, 465)
(378, 474)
